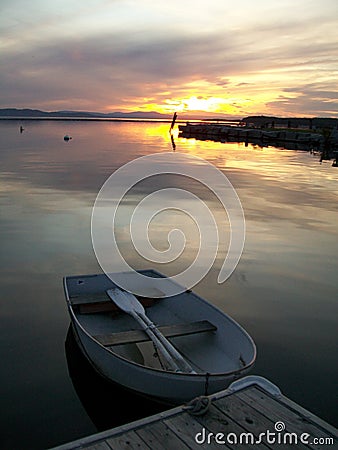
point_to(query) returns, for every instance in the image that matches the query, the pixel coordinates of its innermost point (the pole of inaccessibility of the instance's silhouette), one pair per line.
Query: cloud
(314, 98)
(79, 68)
(114, 64)
(309, 106)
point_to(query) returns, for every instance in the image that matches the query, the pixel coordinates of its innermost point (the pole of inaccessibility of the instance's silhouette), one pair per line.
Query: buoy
(67, 138)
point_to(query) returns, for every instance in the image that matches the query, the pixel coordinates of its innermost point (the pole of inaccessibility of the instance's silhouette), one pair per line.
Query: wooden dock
(223, 133)
(251, 414)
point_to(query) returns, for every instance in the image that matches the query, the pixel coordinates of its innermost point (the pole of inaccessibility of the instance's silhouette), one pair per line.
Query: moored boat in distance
(216, 348)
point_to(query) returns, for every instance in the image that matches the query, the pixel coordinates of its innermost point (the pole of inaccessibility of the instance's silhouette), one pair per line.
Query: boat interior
(209, 340)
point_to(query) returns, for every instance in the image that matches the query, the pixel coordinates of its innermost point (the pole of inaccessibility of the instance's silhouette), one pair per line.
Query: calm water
(283, 292)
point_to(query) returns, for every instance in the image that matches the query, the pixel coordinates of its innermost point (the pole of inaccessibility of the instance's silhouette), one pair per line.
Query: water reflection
(283, 291)
(106, 403)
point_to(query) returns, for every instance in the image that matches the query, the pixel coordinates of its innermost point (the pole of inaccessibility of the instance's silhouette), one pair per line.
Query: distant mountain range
(14, 112)
(257, 121)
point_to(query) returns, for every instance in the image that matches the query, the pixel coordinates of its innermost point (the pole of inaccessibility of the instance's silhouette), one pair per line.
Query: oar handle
(168, 346)
(149, 330)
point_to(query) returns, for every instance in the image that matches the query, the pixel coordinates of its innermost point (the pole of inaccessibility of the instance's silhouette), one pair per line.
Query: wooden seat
(135, 336)
(101, 303)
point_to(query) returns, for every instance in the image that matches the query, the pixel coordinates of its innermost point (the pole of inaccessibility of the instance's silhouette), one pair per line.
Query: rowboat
(214, 348)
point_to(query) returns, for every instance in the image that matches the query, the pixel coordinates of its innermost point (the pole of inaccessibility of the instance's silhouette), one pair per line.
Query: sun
(195, 103)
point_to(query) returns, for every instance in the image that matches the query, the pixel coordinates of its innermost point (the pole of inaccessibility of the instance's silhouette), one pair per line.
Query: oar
(128, 303)
(185, 367)
(121, 299)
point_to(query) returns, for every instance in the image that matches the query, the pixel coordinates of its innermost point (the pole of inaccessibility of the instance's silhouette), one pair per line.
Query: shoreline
(88, 119)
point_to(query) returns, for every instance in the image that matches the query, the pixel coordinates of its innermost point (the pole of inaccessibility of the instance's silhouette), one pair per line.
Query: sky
(214, 57)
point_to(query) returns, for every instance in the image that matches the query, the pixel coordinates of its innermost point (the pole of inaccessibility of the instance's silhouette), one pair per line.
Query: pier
(251, 414)
(302, 139)
(242, 134)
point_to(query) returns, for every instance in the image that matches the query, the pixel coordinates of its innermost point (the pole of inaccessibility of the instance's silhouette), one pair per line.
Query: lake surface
(283, 291)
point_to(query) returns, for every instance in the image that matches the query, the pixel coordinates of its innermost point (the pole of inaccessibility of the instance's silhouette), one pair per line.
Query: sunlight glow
(199, 59)
(196, 103)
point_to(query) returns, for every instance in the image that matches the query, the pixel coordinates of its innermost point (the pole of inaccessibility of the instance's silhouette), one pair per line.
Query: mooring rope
(198, 406)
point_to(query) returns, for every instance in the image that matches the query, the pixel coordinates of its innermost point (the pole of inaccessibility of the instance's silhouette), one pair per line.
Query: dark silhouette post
(173, 122)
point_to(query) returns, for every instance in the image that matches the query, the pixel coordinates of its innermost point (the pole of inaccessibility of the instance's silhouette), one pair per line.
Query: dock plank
(99, 446)
(127, 441)
(217, 422)
(295, 421)
(250, 419)
(186, 428)
(160, 437)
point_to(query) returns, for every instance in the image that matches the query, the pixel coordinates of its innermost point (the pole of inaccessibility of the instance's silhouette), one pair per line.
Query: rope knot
(198, 406)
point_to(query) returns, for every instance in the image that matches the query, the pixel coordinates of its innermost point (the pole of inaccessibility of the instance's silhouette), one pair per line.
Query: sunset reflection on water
(283, 290)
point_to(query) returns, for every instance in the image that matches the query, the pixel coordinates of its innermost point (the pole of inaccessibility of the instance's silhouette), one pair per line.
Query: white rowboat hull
(219, 357)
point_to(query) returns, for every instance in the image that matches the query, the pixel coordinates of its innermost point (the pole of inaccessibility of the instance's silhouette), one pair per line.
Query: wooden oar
(122, 300)
(128, 303)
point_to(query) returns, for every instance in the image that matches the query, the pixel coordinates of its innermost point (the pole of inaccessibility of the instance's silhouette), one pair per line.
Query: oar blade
(126, 301)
